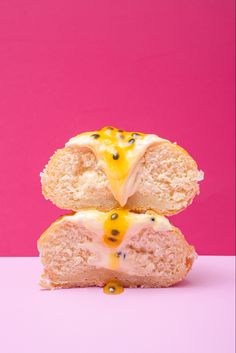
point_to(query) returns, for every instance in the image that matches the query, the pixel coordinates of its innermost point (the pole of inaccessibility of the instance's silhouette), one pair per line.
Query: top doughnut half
(109, 168)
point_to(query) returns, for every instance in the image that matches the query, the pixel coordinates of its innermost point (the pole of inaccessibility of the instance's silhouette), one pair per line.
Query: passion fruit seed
(113, 287)
(131, 141)
(112, 239)
(119, 253)
(114, 216)
(115, 232)
(153, 219)
(95, 136)
(115, 156)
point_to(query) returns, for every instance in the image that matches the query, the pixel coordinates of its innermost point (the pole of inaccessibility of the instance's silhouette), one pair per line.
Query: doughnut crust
(167, 180)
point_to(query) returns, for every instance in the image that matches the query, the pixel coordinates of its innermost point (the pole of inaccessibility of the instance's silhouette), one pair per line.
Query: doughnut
(111, 168)
(113, 250)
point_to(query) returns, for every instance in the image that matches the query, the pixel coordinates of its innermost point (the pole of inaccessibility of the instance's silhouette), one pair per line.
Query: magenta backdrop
(164, 67)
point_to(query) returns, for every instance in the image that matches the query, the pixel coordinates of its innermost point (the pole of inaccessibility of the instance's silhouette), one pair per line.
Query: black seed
(112, 239)
(153, 219)
(115, 232)
(131, 141)
(135, 134)
(114, 216)
(115, 156)
(119, 253)
(95, 136)
(124, 256)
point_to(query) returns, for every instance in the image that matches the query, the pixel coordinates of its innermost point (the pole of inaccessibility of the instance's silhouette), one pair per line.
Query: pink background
(165, 67)
(195, 316)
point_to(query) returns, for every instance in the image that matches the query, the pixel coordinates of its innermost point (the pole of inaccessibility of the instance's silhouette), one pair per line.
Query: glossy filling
(111, 230)
(113, 287)
(118, 152)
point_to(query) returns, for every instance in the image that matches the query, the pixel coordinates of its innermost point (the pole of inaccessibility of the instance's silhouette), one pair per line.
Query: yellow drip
(113, 287)
(113, 261)
(115, 148)
(115, 227)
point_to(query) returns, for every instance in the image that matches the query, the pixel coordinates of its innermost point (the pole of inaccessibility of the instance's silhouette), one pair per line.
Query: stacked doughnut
(120, 185)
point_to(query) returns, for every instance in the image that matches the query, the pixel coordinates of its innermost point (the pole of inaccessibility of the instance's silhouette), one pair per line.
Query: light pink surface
(165, 67)
(195, 316)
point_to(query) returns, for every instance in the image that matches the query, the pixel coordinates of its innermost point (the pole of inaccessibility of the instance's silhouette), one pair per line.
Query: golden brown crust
(103, 276)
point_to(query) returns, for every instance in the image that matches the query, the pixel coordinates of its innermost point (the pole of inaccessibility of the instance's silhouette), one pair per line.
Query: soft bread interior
(151, 258)
(73, 180)
(167, 180)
